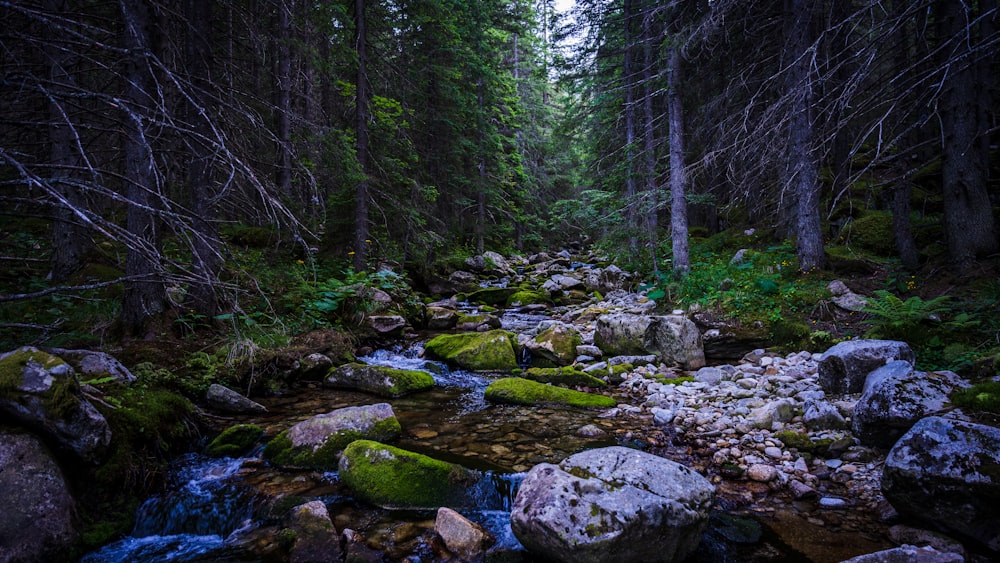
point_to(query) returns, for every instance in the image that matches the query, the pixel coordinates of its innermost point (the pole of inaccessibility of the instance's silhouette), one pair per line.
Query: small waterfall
(188, 521)
(492, 499)
(524, 358)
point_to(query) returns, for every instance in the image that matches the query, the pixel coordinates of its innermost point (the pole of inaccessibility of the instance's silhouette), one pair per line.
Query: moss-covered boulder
(476, 351)
(40, 392)
(565, 376)
(520, 391)
(318, 441)
(496, 296)
(554, 346)
(526, 297)
(395, 478)
(234, 441)
(379, 380)
(479, 322)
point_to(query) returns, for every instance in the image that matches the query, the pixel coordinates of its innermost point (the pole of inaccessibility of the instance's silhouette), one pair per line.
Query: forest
(176, 166)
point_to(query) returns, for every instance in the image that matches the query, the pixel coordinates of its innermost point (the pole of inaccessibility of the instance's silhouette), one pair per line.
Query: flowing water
(211, 506)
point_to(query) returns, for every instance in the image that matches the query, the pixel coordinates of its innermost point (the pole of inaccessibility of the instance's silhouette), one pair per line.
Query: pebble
(832, 502)
(762, 472)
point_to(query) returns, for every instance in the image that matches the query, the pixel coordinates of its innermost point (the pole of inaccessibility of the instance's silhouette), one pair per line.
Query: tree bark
(71, 241)
(968, 218)
(629, 85)
(206, 258)
(145, 297)
(803, 167)
(283, 103)
(651, 190)
(678, 174)
(362, 115)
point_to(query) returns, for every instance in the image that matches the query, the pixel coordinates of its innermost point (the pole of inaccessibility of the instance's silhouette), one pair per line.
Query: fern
(893, 318)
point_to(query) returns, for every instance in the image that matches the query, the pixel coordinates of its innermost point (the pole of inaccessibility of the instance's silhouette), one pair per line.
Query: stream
(224, 509)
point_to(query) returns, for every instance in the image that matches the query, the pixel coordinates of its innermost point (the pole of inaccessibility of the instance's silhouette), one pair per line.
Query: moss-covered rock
(318, 441)
(525, 297)
(379, 380)
(519, 391)
(395, 478)
(40, 391)
(479, 351)
(477, 322)
(565, 376)
(554, 346)
(234, 441)
(871, 232)
(496, 296)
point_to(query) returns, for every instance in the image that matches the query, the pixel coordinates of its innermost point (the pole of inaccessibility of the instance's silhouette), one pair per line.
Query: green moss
(380, 380)
(234, 441)
(526, 297)
(287, 537)
(872, 232)
(395, 478)
(61, 399)
(406, 381)
(479, 351)
(675, 380)
(496, 296)
(797, 440)
(568, 376)
(518, 391)
(281, 451)
(980, 397)
(790, 333)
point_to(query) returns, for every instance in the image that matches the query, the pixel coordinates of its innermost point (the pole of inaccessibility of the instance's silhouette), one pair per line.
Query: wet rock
(40, 392)
(314, 366)
(907, 554)
(897, 399)
(800, 490)
(387, 325)
(36, 522)
(762, 472)
(379, 380)
(481, 322)
(317, 442)
(590, 431)
(395, 478)
(554, 346)
(612, 504)
(560, 283)
(223, 399)
(489, 262)
(776, 411)
(441, 318)
(464, 538)
(492, 350)
(316, 539)
(605, 280)
(234, 441)
(943, 471)
(844, 367)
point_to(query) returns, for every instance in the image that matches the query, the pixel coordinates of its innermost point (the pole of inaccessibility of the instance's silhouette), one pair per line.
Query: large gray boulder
(896, 397)
(945, 472)
(907, 554)
(40, 392)
(318, 441)
(612, 504)
(554, 346)
(36, 522)
(604, 280)
(844, 367)
(674, 339)
(89, 364)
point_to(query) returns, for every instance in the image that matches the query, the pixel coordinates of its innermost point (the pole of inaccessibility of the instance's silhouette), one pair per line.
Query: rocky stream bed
(790, 452)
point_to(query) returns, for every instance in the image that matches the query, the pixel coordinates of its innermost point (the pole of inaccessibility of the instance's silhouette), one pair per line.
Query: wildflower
(351, 253)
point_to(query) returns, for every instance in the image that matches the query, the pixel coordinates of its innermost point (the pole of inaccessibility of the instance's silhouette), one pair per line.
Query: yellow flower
(351, 253)
(299, 262)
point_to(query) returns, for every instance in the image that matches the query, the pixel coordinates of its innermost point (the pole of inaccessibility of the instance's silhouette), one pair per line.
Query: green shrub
(979, 397)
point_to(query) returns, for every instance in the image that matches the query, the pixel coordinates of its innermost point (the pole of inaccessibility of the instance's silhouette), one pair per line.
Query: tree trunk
(968, 218)
(362, 115)
(283, 103)
(678, 174)
(802, 161)
(145, 295)
(206, 259)
(629, 85)
(651, 190)
(903, 189)
(71, 241)
(481, 180)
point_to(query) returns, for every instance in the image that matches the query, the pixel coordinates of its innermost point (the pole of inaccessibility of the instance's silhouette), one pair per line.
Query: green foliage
(895, 319)
(980, 397)
(345, 299)
(764, 286)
